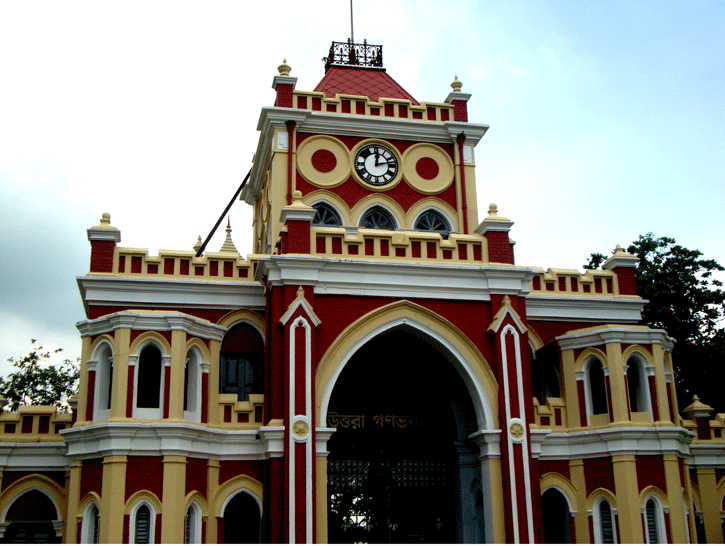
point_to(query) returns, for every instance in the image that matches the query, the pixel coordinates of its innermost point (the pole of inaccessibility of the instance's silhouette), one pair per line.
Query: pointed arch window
(605, 531)
(241, 369)
(432, 220)
(556, 517)
(378, 218)
(654, 521)
(104, 382)
(192, 387)
(325, 215)
(148, 384)
(143, 524)
(242, 520)
(91, 524)
(192, 525)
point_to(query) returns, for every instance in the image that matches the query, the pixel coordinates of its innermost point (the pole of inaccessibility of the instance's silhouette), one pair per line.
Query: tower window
(377, 218)
(597, 388)
(148, 393)
(432, 220)
(637, 386)
(326, 215)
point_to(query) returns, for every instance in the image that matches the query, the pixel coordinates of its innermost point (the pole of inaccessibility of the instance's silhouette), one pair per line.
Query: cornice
(33, 456)
(184, 439)
(617, 441)
(324, 123)
(585, 309)
(169, 293)
(707, 455)
(159, 322)
(610, 334)
(394, 279)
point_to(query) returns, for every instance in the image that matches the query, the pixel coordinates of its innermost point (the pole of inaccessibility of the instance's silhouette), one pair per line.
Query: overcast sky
(607, 121)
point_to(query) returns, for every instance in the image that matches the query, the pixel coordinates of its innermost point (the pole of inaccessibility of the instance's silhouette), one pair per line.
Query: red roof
(373, 83)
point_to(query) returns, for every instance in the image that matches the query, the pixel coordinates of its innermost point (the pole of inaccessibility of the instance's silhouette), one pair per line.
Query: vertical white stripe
(291, 444)
(509, 440)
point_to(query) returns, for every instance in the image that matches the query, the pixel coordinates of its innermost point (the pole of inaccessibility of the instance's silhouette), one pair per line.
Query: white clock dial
(376, 164)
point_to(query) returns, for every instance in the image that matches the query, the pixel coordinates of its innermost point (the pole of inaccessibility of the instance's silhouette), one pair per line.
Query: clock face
(376, 164)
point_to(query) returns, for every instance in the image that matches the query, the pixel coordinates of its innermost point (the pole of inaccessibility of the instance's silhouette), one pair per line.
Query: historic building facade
(378, 370)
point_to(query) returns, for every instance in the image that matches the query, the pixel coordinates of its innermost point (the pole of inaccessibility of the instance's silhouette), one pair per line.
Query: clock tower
(365, 216)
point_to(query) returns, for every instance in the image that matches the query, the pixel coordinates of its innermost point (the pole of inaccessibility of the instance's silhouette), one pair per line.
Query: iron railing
(348, 53)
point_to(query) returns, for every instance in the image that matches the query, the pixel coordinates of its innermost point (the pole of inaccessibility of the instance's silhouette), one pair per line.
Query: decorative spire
(228, 245)
(456, 85)
(284, 69)
(198, 244)
(493, 214)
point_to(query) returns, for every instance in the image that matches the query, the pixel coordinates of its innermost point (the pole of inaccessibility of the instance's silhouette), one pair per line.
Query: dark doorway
(556, 517)
(31, 519)
(242, 520)
(401, 468)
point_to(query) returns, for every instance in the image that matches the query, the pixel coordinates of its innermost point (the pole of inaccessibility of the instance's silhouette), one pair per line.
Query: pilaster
(658, 354)
(212, 486)
(74, 490)
(213, 380)
(627, 496)
(617, 383)
(710, 505)
(113, 499)
(175, 388)
(675, 494)
(120, 387)
(83, 384)
(172, 528)
(581, 520)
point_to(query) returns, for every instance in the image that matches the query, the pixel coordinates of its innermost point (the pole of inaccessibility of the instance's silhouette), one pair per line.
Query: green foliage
(687, 301)
(596, 260)
(38, 383)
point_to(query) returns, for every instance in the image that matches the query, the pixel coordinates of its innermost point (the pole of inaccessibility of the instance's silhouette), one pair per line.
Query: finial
(197, 246)
(493, 209)
(618, 250)
(106, 218)
(284, 68)
(300, 292)
(456, 85)
(228, 245)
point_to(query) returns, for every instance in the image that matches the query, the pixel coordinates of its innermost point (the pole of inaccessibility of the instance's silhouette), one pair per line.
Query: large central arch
(411, 321)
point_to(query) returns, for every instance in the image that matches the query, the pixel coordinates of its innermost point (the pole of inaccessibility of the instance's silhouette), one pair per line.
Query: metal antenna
(352, 34)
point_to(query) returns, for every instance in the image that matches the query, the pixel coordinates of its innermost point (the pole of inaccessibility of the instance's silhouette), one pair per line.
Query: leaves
(38, 383)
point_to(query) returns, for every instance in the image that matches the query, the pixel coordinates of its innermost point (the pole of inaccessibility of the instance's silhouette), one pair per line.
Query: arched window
(597, 388)
(654, 519)
(241, 369)
(90, 525)
(192, 387)
(104, 382)
(637, 385)
(432, 220)
(604, 530)
(242, 520)
(556, 517)
(142, 524)
(377, 218)
(192, 525)
(325, 215)
(30, 518)
(148, 383)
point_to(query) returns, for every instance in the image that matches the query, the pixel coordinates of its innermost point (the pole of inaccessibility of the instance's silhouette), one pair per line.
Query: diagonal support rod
(213, 230)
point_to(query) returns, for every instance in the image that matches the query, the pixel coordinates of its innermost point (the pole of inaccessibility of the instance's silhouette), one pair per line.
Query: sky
(607, 121)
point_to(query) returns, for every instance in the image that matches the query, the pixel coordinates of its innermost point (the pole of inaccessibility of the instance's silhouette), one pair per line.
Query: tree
(686, 300)
(38, 383)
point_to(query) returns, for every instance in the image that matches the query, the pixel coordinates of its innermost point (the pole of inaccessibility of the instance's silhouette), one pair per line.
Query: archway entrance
(31, 519)
(401, 468)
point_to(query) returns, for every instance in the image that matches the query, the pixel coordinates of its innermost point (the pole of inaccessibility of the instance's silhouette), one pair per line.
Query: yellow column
(499, 514)
(321, 512)
(212, 485)
(214, 350)
(617, 384)
(627, 495)
(661, 383)
(172, 507)
(70, 529)
(568, 363)
(675, 494)
(121, 343)
(113, 499)
(581, 521)
(83, 383)
(690, 504)
(710, 501)
(175, 390)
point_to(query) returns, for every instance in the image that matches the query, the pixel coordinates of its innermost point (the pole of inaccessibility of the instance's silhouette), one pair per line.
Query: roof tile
(373, 83)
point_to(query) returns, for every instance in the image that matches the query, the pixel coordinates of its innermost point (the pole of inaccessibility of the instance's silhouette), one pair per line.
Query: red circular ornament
(427, 168)
(324, 161)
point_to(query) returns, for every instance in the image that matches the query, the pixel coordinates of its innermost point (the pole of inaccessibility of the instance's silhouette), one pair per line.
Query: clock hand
(377, 157)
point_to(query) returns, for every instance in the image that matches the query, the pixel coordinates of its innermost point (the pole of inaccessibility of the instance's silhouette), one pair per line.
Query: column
(581, 520)
(212, 485)
(617, 384)
(174, 389)
(707, 483)
(121, 374)
(113, 499)
(74, 491)
(172, 506)
(627, 495)
(675, 494)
